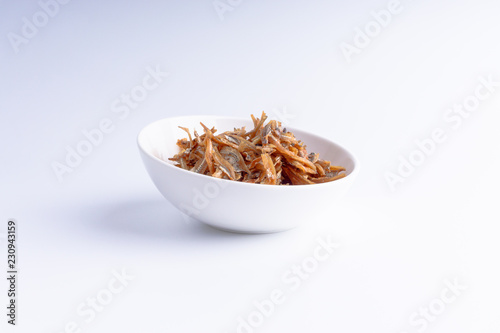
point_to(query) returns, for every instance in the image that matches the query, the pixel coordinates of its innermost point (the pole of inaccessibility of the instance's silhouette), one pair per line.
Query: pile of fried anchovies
(268, 154)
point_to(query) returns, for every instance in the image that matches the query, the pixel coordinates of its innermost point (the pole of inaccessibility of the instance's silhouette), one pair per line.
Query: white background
(397, 247)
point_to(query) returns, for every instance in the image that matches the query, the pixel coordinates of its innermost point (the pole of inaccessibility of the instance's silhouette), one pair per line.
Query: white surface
(397, 247)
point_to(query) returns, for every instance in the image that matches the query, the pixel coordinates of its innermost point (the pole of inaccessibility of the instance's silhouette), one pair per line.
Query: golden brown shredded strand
(189, 135)
(209, 155)
(269, 169)
(267, 154)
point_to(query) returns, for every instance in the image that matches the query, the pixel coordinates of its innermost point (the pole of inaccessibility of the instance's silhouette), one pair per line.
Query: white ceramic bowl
(235, 206)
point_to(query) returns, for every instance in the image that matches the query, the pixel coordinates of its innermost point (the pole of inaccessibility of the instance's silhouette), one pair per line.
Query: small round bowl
(236, 206)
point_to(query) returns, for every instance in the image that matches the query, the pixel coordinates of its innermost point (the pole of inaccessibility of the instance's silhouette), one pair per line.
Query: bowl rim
(292, 129)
